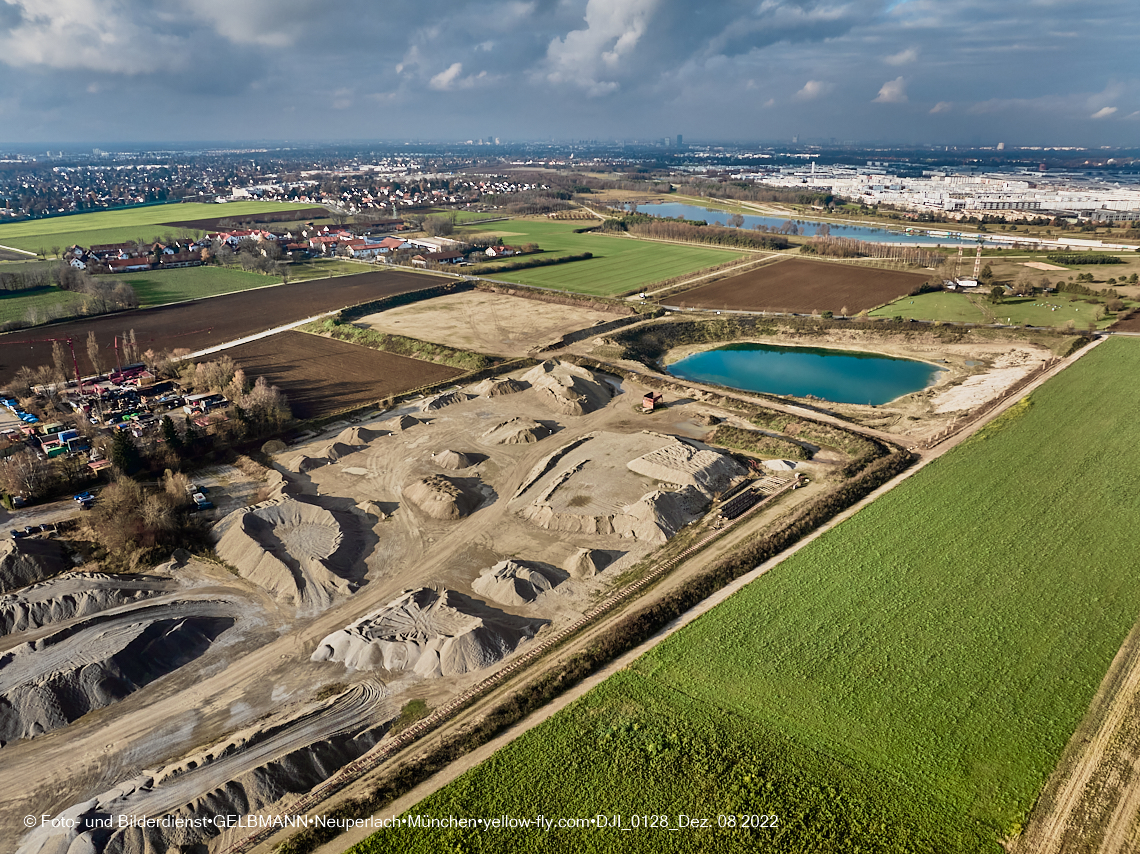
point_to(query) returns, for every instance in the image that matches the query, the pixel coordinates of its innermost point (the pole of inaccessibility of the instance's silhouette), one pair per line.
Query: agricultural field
(801, 286)
(619, 264)
(321, 375)
(323, 268)
(119, 226)
(1055, 309)
(940, 305)
(35, 304)
(160, 287)
(201, 324)
(1128, 323)
(485, 322)
(876, 691)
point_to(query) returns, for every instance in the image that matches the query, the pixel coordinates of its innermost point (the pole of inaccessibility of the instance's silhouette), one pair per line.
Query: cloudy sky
(1025, 72)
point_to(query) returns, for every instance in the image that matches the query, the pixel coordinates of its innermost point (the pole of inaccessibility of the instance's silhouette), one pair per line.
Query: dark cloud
(1028, 71)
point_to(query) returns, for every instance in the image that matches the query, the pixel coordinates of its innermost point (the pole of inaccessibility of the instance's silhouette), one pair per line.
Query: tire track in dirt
(1049, 830)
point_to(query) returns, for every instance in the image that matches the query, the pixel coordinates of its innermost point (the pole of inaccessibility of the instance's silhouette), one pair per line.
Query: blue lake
(808, 227)
(840, 376)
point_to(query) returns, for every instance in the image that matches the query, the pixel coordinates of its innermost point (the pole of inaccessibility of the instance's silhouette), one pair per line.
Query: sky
(1022, 72)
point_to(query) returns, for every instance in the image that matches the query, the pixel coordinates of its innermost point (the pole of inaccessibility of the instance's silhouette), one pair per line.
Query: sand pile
(498, 386)
(299, 552)
(442, 400)
(453, 460)
(778, 465)
(517, 431)
(653, 518)
(358, 436)
(59, 678)
(372, 509)
(304, 463)
(404, 422)
(73, 594)
(26, 561)
(336, 450)
(586, 563)
(516, 582)
(441, 498)
(568, 389)
(684, 465)
(429, 633)
(280, 486)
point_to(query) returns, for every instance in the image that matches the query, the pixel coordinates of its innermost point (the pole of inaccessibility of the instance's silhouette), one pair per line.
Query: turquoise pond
(840, 376)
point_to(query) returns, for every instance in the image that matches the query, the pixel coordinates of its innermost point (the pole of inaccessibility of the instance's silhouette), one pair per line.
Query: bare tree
(93, 352)
(59, 358)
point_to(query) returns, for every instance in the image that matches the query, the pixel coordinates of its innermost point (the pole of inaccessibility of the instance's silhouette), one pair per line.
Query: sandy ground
(1041, 265)
(485, 322)
(262, 664)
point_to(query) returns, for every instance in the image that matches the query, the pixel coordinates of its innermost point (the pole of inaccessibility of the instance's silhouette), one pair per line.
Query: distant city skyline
(956, 72)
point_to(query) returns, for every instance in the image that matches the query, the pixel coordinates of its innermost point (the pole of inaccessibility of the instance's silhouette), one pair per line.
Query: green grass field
(33, 305)
(619, 264)
(1043, 310)
(934, 306)
(904, 683)
(323, 268)
(159, 287)
(120, 226)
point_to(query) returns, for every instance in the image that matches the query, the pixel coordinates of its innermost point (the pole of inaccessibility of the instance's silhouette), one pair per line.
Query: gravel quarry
(397, 557)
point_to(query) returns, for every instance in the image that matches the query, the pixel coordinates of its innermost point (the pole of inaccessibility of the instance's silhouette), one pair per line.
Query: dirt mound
(73, 594)
(586, 563)
(297, 551)
(429, 633)
(516, 582)
(653, 518)
(404, 422)
(83, 667)
(304, 463)
(684, 465)
(496, 387)
(440, 497)
(517, 431)
(26, 561)
(442, 400)
(453, 460)
(357, 436)
(568, 389)
(337, 450)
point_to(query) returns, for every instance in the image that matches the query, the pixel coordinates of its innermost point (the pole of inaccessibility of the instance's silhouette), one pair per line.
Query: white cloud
(941, 107)
(584, 57)
(93, 35)
(1103, 113)
(450, 78)
(892, 92)
(269, 23)
(903, 57)
(812, 90)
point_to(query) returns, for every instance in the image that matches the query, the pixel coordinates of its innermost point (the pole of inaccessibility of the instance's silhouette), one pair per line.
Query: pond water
(808, 227)
(839, 376)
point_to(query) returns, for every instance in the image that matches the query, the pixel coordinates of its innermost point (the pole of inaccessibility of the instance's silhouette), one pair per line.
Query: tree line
(847, 247)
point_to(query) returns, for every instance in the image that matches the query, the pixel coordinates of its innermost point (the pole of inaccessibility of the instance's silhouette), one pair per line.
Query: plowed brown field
(802, 287)
(322, 375)
(201, 323)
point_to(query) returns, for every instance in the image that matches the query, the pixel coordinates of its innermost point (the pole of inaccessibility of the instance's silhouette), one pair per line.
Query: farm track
(1090, 755)
(203, 323)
